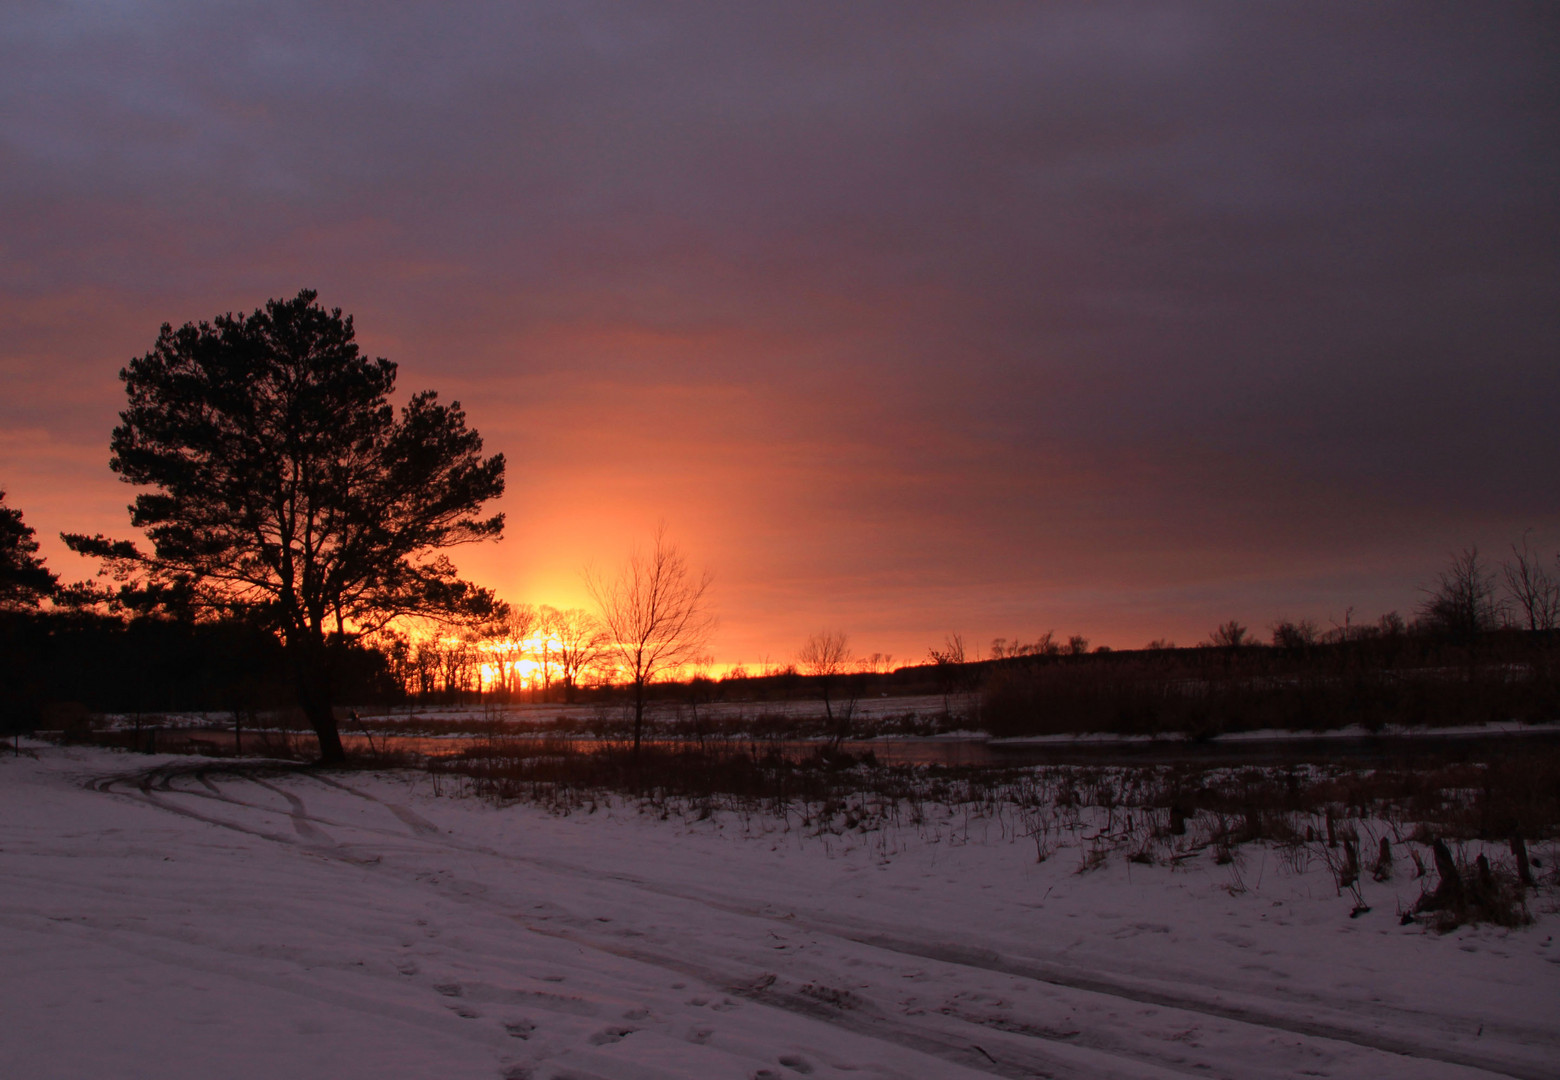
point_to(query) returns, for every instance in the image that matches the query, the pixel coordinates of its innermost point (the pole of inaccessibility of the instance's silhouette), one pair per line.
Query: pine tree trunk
(312, 673)
(322, 718)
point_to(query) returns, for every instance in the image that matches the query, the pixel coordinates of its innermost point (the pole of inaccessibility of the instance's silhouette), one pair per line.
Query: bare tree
(1295, 635)
(950, 666)
(826, 657)
(505, 642)
(952, 651)
(458, 665)
(1045, 645)
(577, 641)
(1462, 604)
(655, 614)
(546, 651)
(425, 665)
(1229, 635)
(877, 663)
(826, 653)
(1532, 590)
(486, 638)
(1344, 632)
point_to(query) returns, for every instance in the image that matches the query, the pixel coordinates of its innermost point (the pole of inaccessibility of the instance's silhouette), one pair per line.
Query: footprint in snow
(407, 967)
(448, 989)
(610, 1035)
(797, 1063)
(519, 1029)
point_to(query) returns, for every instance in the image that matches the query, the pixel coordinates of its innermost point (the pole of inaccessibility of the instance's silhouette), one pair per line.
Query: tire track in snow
(986, 960)
(773, 993)
(877, 1025)
(152, 784)
(143, 792)
(1067, 977)
(1071, 977)
(410, 818)
(302, 823)
(866, 1019)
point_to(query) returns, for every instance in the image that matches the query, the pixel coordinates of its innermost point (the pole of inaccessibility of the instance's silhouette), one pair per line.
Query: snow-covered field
(164, 921)
(863, 709)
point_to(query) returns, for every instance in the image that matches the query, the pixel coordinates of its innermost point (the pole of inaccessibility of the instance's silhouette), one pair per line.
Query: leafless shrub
(1229, 635)
(1294, 635)
(826, 658)
(1462, 604)
(1533, 591)
(1040, 826)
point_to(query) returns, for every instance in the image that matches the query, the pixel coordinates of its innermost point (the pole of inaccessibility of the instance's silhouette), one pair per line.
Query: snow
(864, 709)
(1510, 728)
(166, 918)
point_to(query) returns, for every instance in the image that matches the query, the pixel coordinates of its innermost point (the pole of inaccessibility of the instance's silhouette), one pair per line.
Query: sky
(906, 319)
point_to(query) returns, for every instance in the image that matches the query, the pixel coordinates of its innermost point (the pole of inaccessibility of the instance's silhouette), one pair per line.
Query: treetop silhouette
(286, 489)
(24, 580)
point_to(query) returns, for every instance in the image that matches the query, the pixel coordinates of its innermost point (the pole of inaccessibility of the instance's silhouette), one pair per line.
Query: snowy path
(187, 920)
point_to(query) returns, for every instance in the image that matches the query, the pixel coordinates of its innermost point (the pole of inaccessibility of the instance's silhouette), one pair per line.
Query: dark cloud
(1033, 309)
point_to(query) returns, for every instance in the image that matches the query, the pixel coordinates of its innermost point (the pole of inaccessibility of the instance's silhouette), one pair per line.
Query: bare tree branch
(655, 615)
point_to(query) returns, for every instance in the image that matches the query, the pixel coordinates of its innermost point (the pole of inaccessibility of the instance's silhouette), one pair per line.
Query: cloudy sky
(1113, 319)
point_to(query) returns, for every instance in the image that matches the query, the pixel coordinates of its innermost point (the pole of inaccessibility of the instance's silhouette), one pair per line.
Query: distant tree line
(1468, 600)
(1480, 647)
(1483, 647)
(295, 521)
(60, 652)
(521, 653)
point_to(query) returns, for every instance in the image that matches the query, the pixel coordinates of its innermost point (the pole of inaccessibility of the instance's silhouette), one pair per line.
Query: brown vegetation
(1399, 679)
(1458, 815)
